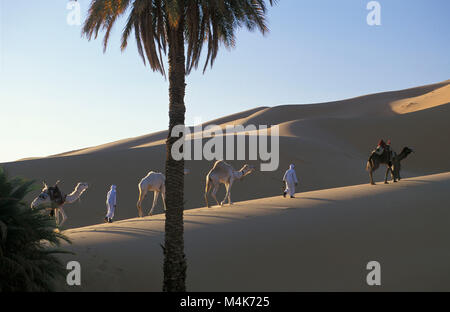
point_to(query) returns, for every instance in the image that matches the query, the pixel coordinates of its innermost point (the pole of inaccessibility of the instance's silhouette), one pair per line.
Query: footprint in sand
(103, 266)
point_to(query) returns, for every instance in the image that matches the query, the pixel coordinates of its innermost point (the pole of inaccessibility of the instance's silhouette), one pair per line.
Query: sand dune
(329, 143)
(431, 99)
(320, 241)
(150, 139)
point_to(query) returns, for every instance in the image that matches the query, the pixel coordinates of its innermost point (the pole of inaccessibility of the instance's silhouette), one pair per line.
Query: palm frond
(28, 241)
(210, 22)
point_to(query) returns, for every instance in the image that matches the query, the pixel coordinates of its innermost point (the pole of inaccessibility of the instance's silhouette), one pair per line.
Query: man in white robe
(111, 204)
(290, 177)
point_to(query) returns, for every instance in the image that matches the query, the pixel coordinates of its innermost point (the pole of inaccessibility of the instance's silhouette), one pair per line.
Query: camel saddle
(380, 151)
(56, 195)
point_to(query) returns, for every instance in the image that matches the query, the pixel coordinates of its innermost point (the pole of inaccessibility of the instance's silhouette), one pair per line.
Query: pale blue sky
(55, 82)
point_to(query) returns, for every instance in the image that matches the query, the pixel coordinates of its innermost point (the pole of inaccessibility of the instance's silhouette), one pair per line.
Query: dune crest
(329, 143)
(431, 99)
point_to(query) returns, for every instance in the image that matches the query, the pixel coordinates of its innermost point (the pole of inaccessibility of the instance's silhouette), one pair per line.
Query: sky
(60, 92)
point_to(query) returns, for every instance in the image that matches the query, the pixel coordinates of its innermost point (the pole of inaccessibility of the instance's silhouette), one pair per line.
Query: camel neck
(238, 174)
(402, 155)
(70, 198)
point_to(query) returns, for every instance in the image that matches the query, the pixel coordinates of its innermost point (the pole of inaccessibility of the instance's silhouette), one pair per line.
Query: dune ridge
(328, 142)
(320, 241)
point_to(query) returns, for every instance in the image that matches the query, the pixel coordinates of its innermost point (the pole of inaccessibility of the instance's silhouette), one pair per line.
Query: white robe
(291, 179)
(111, 202)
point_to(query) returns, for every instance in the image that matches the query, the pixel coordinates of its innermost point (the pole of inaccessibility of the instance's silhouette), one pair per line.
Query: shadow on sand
(133, 232)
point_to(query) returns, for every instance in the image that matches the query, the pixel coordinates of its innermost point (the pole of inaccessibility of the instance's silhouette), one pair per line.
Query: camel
(47, 196)
(376, 160)
(223, 173)
(153, 181)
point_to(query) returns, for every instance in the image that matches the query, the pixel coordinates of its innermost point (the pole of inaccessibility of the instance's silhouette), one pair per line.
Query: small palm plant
(28, 241)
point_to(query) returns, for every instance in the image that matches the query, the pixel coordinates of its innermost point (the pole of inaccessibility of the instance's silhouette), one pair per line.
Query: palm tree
(180, 27)
(28, 241)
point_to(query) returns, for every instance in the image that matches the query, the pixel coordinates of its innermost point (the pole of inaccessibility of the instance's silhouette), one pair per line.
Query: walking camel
(390, 160)
(52, 195)
(223, 173)
(153, 181)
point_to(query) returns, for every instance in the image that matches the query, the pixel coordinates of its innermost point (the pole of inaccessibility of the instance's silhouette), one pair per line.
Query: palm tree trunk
(174, 258)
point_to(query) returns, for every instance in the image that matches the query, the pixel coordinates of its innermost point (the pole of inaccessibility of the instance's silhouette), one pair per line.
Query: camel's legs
(163, 195)
(142, 194)
(64, 217)
(229, 193)
(227, 187)
(57, 216)
(155, 200)
(371, 177)
(214, 192)
(207, 190)
(393, 174)
(386, 177)
(371, 168)
(389, 169)
(206, 198)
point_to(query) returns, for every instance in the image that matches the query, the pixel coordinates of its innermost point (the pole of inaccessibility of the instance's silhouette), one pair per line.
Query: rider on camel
(382, 147)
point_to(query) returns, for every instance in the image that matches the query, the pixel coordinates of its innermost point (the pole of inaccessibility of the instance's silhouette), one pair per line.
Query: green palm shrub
(28, 241)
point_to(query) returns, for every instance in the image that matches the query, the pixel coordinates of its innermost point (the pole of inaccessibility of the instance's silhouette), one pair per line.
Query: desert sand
(320, 241)
(265, 242)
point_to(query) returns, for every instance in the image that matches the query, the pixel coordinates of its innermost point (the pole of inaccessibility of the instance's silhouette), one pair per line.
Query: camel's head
(247, 169)
(81, 187)
(43, 197)
(407, 150)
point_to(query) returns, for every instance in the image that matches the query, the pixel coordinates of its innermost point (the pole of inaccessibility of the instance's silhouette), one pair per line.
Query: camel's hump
(222, 166)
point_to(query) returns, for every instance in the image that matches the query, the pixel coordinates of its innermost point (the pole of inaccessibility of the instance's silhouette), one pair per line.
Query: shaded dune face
(329, 143)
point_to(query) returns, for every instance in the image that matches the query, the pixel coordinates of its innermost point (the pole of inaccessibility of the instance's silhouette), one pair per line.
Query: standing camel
(390, 161)
(374, 162)
(225, 174)
(52, 195)
(153, 181)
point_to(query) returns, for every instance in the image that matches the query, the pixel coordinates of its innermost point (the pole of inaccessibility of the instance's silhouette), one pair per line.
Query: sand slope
(428, 100)
(328, 142)
(320, 241)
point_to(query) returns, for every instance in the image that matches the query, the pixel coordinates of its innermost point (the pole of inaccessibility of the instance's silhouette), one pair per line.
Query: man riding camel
(56, 196)
(382, 147)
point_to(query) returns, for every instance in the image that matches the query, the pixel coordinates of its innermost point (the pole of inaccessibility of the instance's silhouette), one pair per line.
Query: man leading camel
(290, 177)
